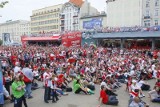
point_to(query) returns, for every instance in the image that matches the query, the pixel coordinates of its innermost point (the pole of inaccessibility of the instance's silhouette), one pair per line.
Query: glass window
(156, 12)
(156, 22)
(156, 2)
(147, 13)
(147, 3)
(147, 23)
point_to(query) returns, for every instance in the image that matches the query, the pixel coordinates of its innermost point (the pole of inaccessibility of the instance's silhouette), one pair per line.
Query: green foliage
(2, 4)
(1, 42)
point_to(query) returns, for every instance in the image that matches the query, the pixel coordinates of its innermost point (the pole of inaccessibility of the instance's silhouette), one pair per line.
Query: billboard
(96, 22)
(87, 39)
(72, 39)
(6, 38)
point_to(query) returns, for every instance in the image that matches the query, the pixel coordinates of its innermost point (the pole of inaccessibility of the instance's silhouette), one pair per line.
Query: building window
(147, 13)
(147, 23)
(156, 2)
(156, 22)
(147, 3)
(156, 12)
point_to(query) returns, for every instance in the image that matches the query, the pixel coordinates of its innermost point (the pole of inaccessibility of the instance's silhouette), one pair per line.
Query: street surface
(73, 100)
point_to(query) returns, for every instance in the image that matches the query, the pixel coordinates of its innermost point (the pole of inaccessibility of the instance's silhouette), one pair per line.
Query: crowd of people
(101, 30)
(57, 67)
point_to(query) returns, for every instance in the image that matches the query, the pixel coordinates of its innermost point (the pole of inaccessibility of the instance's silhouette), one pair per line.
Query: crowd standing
(58, 66)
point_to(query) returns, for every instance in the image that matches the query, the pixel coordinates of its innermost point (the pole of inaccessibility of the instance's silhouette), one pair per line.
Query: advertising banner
(6, 38)
(87, 39)
(24, 42)
(72, 39)
(92, 23)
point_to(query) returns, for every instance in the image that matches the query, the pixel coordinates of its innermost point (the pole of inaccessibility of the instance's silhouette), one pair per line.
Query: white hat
(134, 81)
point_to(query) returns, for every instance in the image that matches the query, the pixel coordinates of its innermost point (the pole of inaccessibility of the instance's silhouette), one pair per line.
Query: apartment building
(15, 28)
(70, 15)
(151, 12)
(46, 19)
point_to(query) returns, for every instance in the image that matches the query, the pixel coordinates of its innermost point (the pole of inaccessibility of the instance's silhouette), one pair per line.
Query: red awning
(47, 38)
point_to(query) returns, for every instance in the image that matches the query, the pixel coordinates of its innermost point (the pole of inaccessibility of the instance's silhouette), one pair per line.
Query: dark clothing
(18, 102)
(112, 101)
(47, 94)
(110, 93)
(145, 87)
(80, 90)
(54, 96)
(24, 101)
(156, 100)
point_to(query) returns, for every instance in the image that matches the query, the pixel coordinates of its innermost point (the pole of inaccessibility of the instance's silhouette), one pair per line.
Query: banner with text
(72, 39)
(94, 23)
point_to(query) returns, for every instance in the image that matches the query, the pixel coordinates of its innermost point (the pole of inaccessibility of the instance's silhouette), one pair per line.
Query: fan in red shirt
(105, 99)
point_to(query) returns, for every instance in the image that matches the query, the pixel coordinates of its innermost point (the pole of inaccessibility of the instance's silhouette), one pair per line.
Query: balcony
(75, 16)
(62, 25)
(74, 23)
(62, 17)
(147, 17)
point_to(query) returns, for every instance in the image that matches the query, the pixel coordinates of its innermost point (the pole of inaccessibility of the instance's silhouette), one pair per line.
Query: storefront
(130, 40)
(41, 40)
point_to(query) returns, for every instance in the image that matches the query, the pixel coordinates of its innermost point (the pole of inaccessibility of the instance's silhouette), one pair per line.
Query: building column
(122, 43)
(153, 44)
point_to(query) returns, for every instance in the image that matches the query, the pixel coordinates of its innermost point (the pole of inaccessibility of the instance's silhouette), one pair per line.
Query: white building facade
(90, 17)
(70, 15)
(46, 19)
(151, 13)
(121, 13)
(16, 29)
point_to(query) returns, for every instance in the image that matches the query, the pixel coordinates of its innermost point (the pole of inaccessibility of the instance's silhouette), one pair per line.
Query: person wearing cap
(135, 87)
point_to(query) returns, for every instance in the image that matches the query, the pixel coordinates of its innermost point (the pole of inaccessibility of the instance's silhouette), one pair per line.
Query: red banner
(24, 42)
(72, 39)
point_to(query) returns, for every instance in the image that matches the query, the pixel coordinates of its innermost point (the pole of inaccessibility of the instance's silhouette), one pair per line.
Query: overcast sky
(22, 9)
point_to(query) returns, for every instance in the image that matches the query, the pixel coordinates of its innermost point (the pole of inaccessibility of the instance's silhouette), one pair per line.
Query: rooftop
(77, 2)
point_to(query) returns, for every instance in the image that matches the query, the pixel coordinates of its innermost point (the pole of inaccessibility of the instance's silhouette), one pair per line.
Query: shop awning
(46, 38)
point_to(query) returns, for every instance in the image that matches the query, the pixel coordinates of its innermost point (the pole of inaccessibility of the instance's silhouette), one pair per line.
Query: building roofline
(15, 21)
(91, 16)
(45, 7)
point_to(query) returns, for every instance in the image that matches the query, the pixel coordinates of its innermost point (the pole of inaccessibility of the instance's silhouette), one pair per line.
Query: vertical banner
(72, 39)
(24, 42)
(1, 85)
(6, 38)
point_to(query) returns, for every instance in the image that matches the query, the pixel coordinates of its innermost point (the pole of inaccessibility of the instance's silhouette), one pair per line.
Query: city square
(80, 53)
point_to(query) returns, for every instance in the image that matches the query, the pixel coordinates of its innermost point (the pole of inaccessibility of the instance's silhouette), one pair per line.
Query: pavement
(73, 100)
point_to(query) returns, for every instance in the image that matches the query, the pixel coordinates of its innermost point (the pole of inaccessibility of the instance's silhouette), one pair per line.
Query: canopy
(45, 38)
(127, 35)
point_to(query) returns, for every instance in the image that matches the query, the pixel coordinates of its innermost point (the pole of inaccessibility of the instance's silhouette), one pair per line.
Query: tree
(2, 4)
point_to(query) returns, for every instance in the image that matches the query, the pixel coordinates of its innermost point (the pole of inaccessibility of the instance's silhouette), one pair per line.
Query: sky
(22, 9)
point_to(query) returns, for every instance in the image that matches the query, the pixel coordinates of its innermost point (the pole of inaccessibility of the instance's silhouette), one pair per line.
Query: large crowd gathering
(84, 68)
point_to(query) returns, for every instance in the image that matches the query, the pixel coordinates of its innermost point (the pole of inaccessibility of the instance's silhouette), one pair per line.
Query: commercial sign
(96, 22)
(72, 39)
(87, 39)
